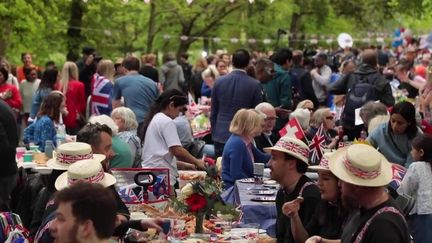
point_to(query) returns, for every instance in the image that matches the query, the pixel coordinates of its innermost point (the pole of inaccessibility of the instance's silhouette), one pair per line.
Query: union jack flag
(316, 146)
(100, 99)
(398, 174)
(128, 195)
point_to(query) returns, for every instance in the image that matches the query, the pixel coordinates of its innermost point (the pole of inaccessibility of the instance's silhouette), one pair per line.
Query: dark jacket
(8, 140)
(231, 93)
(305, 84)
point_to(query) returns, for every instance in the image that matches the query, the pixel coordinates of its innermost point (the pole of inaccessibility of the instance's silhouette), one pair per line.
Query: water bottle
(61, 134)
(49, 147)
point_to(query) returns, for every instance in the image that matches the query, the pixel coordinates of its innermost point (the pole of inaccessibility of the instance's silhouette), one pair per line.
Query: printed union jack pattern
(398, 174)
(128, 195)
(100, 99)
(92, 179)
(359, 172)
(290, 146)
(70, 159)
(316, 146)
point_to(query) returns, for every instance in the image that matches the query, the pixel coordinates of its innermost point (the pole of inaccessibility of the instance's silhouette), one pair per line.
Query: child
(418, 184)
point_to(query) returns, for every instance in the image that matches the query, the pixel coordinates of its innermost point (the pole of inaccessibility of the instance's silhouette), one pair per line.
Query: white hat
(291, 146)
(361, 165)
(88, 170)
(69, 153)
(324, 162)
(345, 40)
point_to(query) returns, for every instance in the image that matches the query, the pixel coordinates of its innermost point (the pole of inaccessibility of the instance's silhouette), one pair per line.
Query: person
(267, 138)
(120, 71)
(47, 84)
(264, 71)
(47, 118)
(306, 104)
(240, 154)
(228, 96)
(160, 139)
(74, 91)
(197, 80)
(171, 74)
(330, 214)
(187, 70)
(209, 75)
(8, 142)
(11, 79)
(122, 154)
(370, 110)
(377, 86)
(288, 164)
(363, 175)
(409, 82)
(416, 183)
(134, 85)
(27, 61)
(324, 117)
(321, 75)
(87, 67)
(28, 88)
(393, 139)
(102, 85)
(127, 126)
(8, 92)
(303, 117)
(304, 78)
(148, 68)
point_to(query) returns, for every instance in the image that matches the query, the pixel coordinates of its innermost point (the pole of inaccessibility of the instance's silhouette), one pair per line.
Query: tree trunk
(151, 27)
(184, 47)
(294, 28)
(74, 30)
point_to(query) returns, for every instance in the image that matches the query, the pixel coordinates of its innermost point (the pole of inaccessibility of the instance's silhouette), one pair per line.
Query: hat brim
(302, 158)
(54, 164)
(317, 168)
(338, 169)
(62, 181)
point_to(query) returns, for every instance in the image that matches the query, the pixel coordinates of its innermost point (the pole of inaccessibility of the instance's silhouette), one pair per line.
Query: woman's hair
(200, 65)
(318, 117)
(105, 120)
(130, 121)
(6, 63)
(5, 73)
(162, 102)
(303, 116)
(424, 141)
(106, 69)
(303, 103)
(245, 121)
(69, 71)
(345, 64)
(148, 58)
(372, 109)
(210, 71)
(407, 111)
(51, 105)
(49, 79)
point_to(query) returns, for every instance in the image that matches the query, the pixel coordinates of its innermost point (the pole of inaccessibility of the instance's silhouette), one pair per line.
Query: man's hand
(120, 219)
(152, 223)
(291, 208)
(314, 239)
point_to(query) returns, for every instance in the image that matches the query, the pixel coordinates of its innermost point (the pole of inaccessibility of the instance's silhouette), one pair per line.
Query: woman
(47, 84)
(127, 128)
(28, 88)
(45, 126)
(393, 139)
(240, 153)
(324, 117)
(209, 76)
(11, 79)
(197, 80)
(161, 142)
(102, 87)
(328, 217)
(8, 92)
(148, 68)
(75, 97)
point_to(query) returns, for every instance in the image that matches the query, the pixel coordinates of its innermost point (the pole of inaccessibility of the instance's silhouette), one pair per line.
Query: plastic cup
(20, 151)
(34, 148)
(28, 158)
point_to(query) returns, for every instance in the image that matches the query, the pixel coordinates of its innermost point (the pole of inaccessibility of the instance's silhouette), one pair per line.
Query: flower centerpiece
(202, 198)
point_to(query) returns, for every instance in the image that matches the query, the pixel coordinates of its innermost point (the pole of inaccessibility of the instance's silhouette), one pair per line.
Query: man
(288, 165)
(264, 72)
(8, 143)
(138, 92)
(87, 67)
(321, 75)
(370, 83)
(230, 93)
(27, 61)
(363, 174)
(187, 71)
(267, 138)
(304, 85)
(171, 74)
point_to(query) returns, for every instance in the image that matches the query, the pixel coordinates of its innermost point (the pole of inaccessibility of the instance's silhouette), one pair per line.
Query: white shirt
(160, 136)
(417, 183)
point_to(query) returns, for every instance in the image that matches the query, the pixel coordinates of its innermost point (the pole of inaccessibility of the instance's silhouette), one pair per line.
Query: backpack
(361, 92)
(12, 229)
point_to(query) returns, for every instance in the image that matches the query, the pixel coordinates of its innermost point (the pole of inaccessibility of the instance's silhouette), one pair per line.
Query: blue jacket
(37, 101)
(236, 161)
(40, 131)
(230, 93)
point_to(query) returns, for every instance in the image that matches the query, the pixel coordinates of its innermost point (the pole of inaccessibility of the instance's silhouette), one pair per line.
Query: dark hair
(51, 105)
(23, 54)
(301, 166)
(51, 63)
(297, 57)
(240, 58)
(28, 70)
(322, 56)
(131, 63)
(49, 79)
(219, 61)
(91, 202)
(370, 57)
(282, 56)
(90, 133)
(407, 111)
(168, 96)
(185, 56)
(5, 73)
(424, 141)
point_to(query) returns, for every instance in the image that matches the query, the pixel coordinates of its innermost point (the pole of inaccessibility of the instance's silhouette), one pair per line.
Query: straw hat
(361, 165)
(69, 153)
(293, 147)
(324, 162)
(88, 170)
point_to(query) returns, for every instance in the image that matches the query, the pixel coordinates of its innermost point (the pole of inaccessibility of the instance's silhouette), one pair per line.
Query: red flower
(196, 202)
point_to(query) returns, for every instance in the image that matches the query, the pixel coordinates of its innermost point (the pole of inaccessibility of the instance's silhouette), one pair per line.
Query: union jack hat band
(293, 147)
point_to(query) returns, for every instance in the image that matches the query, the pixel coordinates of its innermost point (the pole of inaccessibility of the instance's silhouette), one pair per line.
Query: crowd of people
(130, 113)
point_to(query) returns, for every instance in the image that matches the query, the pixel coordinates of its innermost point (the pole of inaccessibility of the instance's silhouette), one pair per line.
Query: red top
(75, 102)
(20, 72)
(15, 100)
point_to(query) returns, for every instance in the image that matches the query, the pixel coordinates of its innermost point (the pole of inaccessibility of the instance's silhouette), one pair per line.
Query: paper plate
(263, 199)
(247, 180)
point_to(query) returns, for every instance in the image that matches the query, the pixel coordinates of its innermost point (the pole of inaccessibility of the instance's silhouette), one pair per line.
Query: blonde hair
(245, 121)
(318, 117)
(106, 69)
(69, 71)
(210, 71)
(149, 58)
(200, 64)
(303, 103)
(130, 121)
